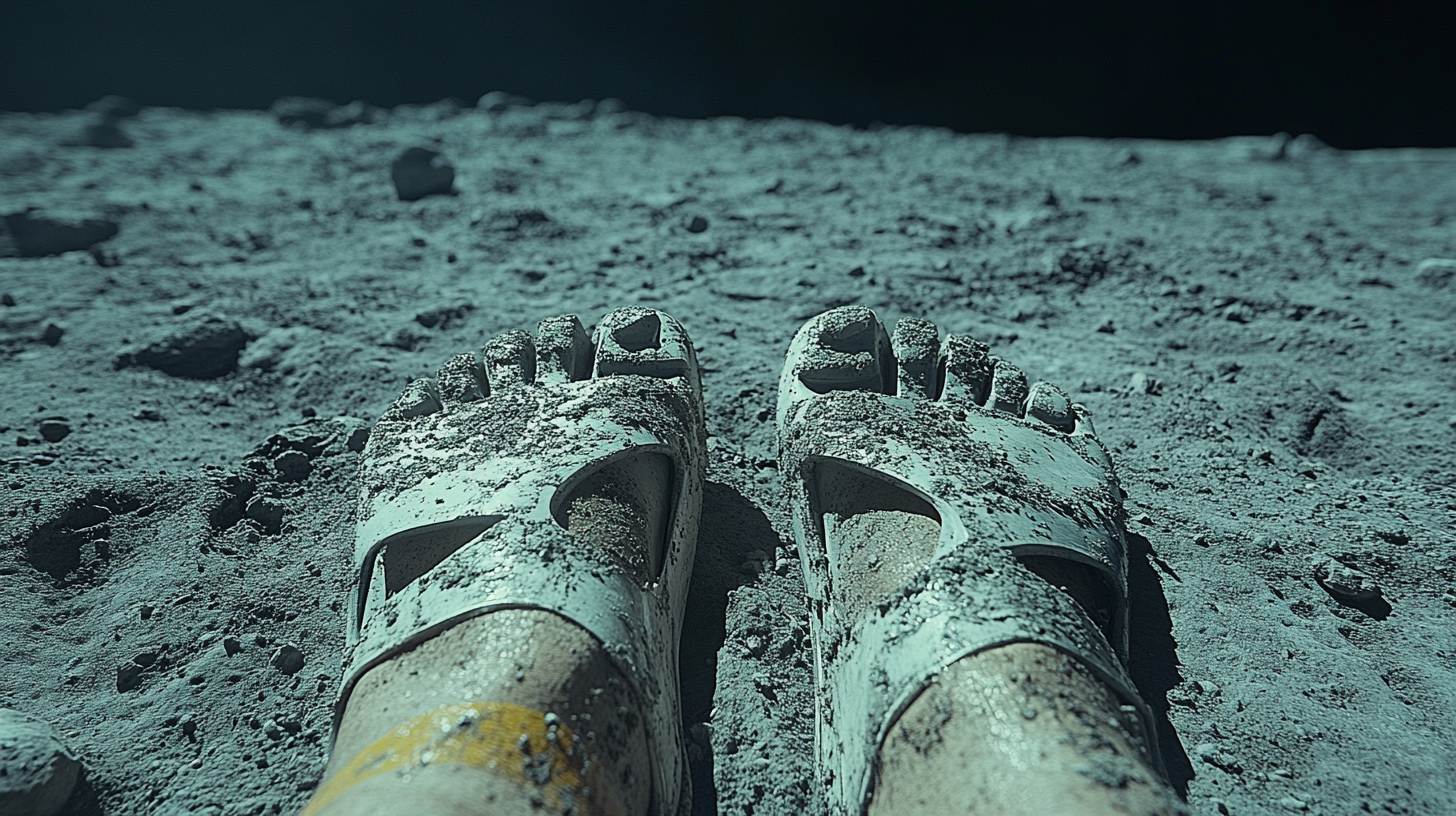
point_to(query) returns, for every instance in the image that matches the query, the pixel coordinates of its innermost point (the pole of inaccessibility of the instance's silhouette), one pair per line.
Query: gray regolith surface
(1247, 320)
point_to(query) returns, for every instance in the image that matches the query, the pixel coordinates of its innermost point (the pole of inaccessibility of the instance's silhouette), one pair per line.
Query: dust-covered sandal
(465, 485)
(1017, 483)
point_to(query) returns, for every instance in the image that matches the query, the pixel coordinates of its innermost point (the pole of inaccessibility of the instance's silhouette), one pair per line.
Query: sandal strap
(522, 558)
(966, 599)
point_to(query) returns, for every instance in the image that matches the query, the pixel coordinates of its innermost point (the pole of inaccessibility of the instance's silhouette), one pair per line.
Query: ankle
(993, 720)
(524, 670)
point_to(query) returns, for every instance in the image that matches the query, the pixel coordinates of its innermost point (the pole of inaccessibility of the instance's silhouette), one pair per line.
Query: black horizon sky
(1356, 76)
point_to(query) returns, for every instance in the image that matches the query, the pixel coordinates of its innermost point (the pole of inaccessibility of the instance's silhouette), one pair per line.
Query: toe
(842, 350)
(510, 360)
(967, 369)
(419, 399)
(636, 340)
(563, 350)
(461, 380)
(917, 350)
(1049, 404)
(1008, 389)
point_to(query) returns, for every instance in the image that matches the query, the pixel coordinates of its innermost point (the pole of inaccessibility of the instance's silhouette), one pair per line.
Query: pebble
(292, 466)
(51, 335)
(54, 429)
(1345, 583)
(1140, 383)
(38, 772)
(419, 172)
(698, 224)
(28, 234)
(288, 659)
(1210, 753)
(1436, 273)
(232, 646)
(307, 113)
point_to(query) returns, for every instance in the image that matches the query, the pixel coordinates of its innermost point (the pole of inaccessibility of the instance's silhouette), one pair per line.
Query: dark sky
(1355, 75)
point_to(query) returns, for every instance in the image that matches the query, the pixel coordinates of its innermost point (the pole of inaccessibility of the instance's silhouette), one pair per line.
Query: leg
(1018, 729)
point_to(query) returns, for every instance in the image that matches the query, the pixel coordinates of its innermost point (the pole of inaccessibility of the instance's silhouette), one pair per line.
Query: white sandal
(997, 462)
(462, 514)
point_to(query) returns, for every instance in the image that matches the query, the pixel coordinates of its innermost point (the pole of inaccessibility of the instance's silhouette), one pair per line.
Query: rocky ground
(203, 313)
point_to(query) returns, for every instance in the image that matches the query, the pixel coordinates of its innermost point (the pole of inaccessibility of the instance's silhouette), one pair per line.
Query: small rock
(117, 107)
(1239, 313)
(302, 112)
(292, 466)
(204, 349)
(444, 316)
(1210, 752)
(54, 429)
(419, 172)
(698, 224)
(1346, 584)
(232, 646)
(1141, 383)
(104, 257)
(148, 415)
(7, 299)
(357, 112)
(38, 772)
(128, 677)
(357, 439)
(1436, 273)
(103, 132)
(306, 113)
(267, 511)
(288, 659)
(1107, 327)
(29, 235)
(52, 334)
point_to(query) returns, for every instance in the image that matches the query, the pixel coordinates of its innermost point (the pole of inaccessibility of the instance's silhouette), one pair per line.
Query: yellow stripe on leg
(531, 748)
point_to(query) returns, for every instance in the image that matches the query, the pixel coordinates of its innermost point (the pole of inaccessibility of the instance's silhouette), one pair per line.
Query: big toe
(637, 340)
(419, 399)
(844, 349)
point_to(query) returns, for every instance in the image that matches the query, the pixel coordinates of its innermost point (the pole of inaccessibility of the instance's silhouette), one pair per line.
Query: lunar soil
(202, 314)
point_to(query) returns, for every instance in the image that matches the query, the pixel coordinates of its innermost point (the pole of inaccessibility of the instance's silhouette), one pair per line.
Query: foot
(948, 513)
(525, 538)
